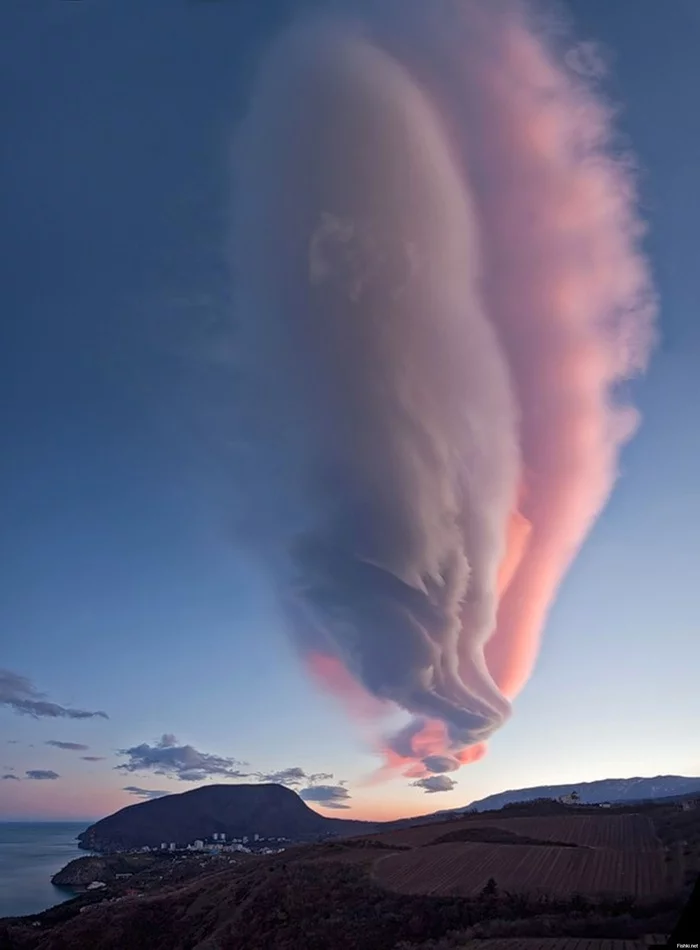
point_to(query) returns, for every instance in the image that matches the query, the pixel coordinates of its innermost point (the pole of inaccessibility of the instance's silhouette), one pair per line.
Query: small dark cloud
(41, 775)
(441, 763)
(317, 777)
(92, 758)
(10, 775)
(74, 746)
(330, 796)
(293, 776)
(145, 793)
(182, 762)
(12, 741)
(19, 694)
(435, 783)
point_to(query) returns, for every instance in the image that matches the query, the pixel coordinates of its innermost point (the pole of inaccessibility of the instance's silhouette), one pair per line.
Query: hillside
(236, 810)
(631, 790)
(425, 891)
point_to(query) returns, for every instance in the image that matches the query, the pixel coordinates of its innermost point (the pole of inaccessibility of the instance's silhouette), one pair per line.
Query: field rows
(617, 832)
(463, 869)
(551, 943)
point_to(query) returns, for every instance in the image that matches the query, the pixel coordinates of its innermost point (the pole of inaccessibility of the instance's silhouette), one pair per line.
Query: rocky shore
(77, 874)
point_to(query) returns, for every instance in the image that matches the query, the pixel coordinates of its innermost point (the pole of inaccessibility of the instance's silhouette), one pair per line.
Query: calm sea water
(30, 853)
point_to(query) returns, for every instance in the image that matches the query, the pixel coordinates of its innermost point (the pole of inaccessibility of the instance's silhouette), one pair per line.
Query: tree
(491, 889)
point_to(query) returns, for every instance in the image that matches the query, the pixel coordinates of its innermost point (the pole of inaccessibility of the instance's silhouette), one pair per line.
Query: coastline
(31, 853)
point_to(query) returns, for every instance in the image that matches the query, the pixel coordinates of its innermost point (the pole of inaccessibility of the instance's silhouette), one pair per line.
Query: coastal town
(218, 843)
(125, 873)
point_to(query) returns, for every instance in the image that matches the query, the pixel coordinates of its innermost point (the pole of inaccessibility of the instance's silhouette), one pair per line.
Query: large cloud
(19, 694)
(438, 292)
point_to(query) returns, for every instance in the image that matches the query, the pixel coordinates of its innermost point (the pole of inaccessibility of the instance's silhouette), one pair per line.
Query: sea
(30, 853)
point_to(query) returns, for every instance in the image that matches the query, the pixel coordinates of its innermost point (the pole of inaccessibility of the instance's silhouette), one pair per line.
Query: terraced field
(463, 869)
(551, 943)
(617, 832)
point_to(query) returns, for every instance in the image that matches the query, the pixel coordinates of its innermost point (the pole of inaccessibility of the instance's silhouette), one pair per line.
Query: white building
(172, 845)
(199, 845)
(256, 836)
(163, 845)
(571, 799)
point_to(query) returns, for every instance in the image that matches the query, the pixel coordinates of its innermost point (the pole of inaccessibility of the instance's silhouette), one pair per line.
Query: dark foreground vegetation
(325, 897)
(322, 904)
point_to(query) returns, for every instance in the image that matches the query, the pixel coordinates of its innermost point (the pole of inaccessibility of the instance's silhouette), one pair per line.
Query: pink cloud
(447, 395)
(564, 278)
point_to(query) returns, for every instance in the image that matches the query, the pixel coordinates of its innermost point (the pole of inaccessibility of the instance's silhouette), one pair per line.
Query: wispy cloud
(9, 775)
(435, 783)
(74, 746)
(330, 796)
(41, 775)
(172, 759)
(182, 762)
(293, 776)
(145, 793)
(92, 758)
(19, 694)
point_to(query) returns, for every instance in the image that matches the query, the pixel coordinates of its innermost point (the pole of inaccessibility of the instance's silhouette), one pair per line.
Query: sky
(145, 651)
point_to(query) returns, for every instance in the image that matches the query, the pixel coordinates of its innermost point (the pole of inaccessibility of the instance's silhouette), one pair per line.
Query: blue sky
(120, 588)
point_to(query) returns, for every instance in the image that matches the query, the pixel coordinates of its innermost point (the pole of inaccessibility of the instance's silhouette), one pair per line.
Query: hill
(632, 790)
(418, 889)
(272, 811)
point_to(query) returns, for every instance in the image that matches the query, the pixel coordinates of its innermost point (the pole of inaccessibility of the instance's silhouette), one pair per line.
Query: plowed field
(462, 869)
(551, 943)
(618, 832)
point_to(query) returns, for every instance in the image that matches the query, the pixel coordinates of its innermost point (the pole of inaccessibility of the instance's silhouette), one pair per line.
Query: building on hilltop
(572, 798)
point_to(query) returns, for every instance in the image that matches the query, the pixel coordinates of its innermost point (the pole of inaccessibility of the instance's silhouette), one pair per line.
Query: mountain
(270, 810)
(630, 790)
(336, 895)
